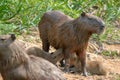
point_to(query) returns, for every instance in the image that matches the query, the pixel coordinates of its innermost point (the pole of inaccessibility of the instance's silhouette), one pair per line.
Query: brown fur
(95, 64)
(96, 67)
(56, 56)
(15, 64)
(92, 66)
(72, 35)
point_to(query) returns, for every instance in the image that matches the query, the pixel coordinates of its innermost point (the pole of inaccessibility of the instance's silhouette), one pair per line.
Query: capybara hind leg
(82, 58)
(46, 45)
(67, 60)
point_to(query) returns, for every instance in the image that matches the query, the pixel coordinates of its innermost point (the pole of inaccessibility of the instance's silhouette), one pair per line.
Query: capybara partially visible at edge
(15, 64)
(72, 35)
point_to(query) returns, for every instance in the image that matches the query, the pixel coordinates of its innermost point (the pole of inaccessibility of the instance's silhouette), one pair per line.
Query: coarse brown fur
(15, 64)
(72, 35)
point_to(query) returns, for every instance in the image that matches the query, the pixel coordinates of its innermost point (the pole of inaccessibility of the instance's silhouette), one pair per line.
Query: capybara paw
(66, 70)
(85, 74)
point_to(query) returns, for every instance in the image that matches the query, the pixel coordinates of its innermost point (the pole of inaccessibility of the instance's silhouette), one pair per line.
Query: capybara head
(91, 23)
(6, 40)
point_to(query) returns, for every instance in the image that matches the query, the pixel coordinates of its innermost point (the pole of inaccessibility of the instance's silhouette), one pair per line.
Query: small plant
(110, 53)
(106, 53)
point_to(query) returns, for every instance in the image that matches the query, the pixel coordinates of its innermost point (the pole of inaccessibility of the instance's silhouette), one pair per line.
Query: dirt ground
(114, 72)
(112, 63)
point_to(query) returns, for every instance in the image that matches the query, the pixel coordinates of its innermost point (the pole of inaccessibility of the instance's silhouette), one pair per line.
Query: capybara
(72, 35)
(96, 67)
(15, 64)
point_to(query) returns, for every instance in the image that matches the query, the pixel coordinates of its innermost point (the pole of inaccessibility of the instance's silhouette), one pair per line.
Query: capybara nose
(102, 27)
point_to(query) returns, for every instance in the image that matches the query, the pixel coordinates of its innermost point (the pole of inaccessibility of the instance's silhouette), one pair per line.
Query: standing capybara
(72, 35)
(15, 64)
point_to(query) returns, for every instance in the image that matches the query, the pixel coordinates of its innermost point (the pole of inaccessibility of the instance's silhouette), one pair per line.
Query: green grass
(18, 15)
(110, 53)
(118, 79)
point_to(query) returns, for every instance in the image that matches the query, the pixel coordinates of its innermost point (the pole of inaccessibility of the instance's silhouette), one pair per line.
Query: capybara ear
(13, 36)
(83, 14)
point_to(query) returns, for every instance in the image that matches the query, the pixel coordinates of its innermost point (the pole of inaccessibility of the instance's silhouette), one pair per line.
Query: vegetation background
(17, 16)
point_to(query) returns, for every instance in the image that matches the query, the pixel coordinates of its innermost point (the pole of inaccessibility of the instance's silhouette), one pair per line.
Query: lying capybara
(96, 67)
(15, 64)
(72, 35)
(93, 66)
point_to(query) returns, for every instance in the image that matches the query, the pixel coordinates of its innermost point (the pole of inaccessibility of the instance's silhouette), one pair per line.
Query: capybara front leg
(82, 58)
(45, 45)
